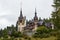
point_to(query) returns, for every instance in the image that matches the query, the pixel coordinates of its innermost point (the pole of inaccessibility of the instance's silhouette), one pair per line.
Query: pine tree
(56, 13)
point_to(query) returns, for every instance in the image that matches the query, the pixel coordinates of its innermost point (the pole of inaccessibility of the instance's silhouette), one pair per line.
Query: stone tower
(21, 23)
(35, 20)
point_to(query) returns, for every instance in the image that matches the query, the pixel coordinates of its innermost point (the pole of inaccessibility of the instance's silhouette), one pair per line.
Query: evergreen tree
(56, 13)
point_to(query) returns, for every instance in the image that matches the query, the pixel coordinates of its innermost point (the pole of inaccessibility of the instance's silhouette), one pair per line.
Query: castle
(22, 24)
(31, 25)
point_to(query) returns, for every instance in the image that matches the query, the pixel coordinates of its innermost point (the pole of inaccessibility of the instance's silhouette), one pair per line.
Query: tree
(56, 14)
(1, 33)
(56, 5)
(16, 34)
(42, 32)
(42, 29)
(58, 35)
(5, 33)
(56, 17)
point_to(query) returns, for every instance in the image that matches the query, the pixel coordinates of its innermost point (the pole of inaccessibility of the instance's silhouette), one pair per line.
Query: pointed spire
(21, 6)
(35, 17)
(21, 15)
(35, 12)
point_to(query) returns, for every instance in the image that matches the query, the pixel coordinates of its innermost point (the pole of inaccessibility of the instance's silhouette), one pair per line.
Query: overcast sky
(10, 10)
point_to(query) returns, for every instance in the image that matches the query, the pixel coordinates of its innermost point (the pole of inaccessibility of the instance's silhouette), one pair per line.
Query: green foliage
(56, 3)
(56, 14)
(4, 33)
(58, 35)
(42, 32)
(16, 34)
(42, 29)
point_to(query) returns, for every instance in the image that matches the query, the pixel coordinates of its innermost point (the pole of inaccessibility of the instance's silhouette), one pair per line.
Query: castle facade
(31, 25)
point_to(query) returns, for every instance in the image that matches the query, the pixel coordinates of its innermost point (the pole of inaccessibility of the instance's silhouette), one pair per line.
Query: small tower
(35, 17)
(35, 20)
(21, 23)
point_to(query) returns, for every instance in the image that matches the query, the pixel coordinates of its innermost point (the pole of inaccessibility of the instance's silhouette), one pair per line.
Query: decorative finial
(35, 17)
(35, 12)
(21, 5)
(21, 15)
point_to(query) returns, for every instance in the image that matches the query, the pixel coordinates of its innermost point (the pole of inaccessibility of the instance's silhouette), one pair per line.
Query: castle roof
(35, 17)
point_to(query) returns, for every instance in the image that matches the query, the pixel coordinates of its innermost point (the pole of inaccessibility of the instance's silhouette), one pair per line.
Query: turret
(35, 17)
(21, 23)
(21, 15)
(35, 21)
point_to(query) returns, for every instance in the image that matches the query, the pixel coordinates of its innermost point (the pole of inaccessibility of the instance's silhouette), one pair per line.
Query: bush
(58, 35)
(16, 34)
(42, 32)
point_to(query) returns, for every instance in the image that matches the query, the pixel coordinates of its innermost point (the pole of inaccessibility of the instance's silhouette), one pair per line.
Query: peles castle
(24, 26)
